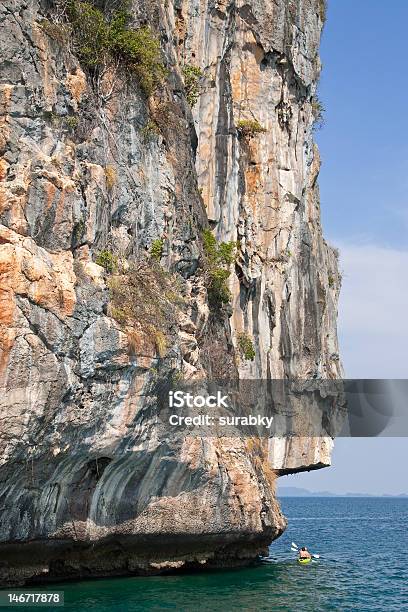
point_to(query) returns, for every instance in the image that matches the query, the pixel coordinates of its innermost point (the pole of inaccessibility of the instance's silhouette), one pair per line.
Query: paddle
(295, 548)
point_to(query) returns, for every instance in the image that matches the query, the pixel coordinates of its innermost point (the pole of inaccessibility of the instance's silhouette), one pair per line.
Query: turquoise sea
(363, 545)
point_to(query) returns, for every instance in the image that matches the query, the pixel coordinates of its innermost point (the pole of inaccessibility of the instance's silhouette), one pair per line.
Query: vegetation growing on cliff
(219, 256)
(64, 122)
(150, 130)
(106, 40)
(107, 260)
(144, 299)
(110, 177)
(323, 10)
(246, 346)
(156, 249)
(71, 122)
(247, 128)
(192, 75)
(318, 111)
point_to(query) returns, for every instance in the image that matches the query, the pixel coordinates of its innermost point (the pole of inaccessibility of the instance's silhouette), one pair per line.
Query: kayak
(304, 561)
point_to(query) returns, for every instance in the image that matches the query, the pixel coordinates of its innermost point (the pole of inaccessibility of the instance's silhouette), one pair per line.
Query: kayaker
(304, 553)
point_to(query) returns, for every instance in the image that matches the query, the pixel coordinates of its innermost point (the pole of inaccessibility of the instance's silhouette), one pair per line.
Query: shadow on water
(280, 585)
(362, 569)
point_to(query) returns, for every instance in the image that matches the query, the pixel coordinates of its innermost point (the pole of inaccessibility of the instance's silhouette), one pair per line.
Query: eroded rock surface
(89, 485)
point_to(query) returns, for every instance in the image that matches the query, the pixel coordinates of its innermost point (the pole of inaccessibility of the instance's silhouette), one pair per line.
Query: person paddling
(304, 553)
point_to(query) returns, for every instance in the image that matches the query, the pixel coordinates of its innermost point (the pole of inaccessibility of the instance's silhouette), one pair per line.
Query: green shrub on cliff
(149, 131)
(318, 111)
(192, 75)
(246, 346)
(90, 33)
(140, 52)
(106, 39)
(107, 260)
(218, 252)
(156, 249)
(248, 128)
(71, 122)
(218, 260)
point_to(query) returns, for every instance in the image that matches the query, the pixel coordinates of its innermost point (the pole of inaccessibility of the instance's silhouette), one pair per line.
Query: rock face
(89, 484)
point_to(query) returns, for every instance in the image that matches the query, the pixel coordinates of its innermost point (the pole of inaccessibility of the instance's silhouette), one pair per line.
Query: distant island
(299, 492)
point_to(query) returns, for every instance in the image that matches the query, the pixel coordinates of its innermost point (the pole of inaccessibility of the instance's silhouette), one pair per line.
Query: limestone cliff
(105, 193)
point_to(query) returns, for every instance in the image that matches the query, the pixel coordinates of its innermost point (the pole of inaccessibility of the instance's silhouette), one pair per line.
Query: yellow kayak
(304, 561)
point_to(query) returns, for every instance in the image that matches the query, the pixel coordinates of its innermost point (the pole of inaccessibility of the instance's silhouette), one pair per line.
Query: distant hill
(299, 492)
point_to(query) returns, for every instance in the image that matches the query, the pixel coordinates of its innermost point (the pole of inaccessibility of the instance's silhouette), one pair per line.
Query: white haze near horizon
(373, 311)
(373, 334)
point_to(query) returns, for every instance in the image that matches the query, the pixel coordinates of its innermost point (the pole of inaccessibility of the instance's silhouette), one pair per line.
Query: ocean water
(363, 545)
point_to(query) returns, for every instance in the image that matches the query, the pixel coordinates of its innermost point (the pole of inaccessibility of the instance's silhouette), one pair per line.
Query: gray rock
(91, 483)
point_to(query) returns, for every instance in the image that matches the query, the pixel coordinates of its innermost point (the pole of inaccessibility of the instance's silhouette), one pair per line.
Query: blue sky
(364, 198)
(364, 179)
(364, 146)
